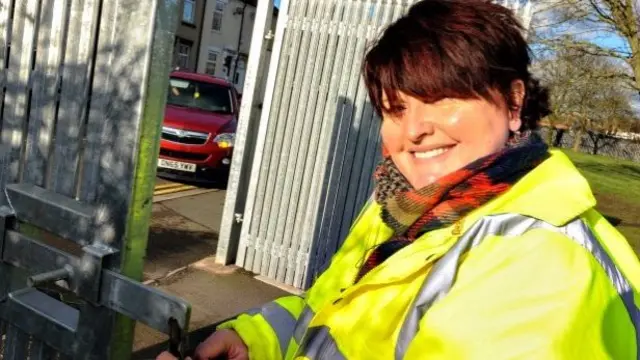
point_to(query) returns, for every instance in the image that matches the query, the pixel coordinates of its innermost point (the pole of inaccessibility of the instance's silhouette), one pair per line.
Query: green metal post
(137, 230)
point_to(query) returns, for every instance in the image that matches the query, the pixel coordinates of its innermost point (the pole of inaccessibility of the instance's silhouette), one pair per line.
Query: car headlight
(225, 140)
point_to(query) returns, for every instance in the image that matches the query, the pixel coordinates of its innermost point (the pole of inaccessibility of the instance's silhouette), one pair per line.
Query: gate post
(153, 104)
(243, 152)
(85, 89)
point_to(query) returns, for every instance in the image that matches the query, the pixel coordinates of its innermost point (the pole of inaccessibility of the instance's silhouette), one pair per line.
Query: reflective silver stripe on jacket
(441, 278)
(303, 323)
(315, 343)
(280, 320)
(318, 344)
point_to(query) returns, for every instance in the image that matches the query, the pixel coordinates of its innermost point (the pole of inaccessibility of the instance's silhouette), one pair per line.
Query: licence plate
(176, 165)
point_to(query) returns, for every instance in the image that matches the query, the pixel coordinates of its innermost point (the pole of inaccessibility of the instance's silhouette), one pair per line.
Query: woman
(481, 243)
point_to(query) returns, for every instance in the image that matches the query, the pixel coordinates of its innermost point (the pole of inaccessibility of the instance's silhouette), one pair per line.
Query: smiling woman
(479, 242)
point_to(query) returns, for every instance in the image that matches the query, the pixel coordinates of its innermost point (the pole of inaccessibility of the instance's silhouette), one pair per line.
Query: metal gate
(318, 140)
(83, 89)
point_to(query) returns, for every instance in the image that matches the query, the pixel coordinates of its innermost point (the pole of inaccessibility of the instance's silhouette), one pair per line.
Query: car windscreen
(199, 95)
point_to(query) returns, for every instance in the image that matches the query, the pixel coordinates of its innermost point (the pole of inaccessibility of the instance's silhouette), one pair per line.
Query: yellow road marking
(167, 186)
(173, 190)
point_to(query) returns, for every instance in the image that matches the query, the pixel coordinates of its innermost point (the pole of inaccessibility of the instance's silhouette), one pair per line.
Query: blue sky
(277, 3)
(612, 41)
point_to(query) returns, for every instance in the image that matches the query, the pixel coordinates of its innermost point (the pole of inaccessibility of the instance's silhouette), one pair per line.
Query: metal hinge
(270, 35)
(238, 217)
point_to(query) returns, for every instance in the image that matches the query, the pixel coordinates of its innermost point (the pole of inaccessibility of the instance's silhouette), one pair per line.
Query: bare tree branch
(602, 16)
(586, 47)
(587, 92)
(594, 29)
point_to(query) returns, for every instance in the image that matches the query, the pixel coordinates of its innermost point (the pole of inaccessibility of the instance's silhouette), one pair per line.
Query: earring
(514, 138)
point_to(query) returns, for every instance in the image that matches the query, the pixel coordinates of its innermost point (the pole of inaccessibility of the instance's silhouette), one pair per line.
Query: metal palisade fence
(318, 139)
(83, 87)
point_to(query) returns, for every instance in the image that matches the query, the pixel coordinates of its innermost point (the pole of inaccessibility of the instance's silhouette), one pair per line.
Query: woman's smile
(433, 153)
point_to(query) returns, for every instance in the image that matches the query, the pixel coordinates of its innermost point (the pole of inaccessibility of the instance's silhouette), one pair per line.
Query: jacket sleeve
(267, 331)
(536, 296)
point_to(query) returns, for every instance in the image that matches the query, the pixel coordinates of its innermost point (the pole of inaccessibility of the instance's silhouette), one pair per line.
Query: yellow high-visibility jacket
(536, 273)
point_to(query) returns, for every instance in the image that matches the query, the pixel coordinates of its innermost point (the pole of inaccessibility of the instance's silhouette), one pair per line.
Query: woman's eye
(397, 111)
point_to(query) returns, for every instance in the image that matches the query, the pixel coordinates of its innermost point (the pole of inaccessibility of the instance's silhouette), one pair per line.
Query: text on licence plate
(176, 165)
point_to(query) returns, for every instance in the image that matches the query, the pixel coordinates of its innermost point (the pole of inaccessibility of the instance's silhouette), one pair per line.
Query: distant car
(199, 128)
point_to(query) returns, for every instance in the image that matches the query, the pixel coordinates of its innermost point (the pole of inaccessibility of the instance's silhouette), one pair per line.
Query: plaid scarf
(411, 213)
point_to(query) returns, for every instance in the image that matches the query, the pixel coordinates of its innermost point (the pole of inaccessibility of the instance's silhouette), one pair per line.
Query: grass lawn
(616, 185)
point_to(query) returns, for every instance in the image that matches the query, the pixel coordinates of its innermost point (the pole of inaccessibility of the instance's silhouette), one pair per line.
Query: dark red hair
(453, 49)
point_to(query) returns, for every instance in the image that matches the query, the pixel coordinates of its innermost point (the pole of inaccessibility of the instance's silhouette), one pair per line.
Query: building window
(183, 55)
(236, 78)
(217, 16)
(212, 61)
(189, 11)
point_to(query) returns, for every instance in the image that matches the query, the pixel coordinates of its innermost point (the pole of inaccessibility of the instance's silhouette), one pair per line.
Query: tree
(614, 112)
(584, 96)
(588, 27)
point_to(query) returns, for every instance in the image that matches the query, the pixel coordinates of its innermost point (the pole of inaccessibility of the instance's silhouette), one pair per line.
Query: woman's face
(428, 141)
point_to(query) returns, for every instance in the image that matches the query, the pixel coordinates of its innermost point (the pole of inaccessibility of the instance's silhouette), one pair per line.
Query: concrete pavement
(205, 209)
(180, 260)
(183, 229)
(215, 293)
(176, 241)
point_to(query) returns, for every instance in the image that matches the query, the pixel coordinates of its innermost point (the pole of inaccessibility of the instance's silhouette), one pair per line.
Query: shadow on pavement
(175, 242)
(216, 293)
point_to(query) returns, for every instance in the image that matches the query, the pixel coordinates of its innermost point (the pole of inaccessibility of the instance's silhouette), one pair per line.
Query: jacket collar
(554, 192)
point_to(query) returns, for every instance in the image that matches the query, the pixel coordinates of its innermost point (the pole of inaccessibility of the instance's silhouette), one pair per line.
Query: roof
(200, 77)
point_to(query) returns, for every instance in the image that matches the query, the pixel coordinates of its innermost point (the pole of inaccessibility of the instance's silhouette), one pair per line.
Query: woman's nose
(417, 127)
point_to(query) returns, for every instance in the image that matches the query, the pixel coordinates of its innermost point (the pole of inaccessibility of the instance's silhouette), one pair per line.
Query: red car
(199, 128)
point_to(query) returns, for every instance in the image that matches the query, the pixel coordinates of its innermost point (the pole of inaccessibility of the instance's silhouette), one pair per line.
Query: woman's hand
(223, 344)
(167, 356)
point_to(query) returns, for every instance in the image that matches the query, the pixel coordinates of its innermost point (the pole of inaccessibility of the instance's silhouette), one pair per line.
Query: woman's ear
(517, 94)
